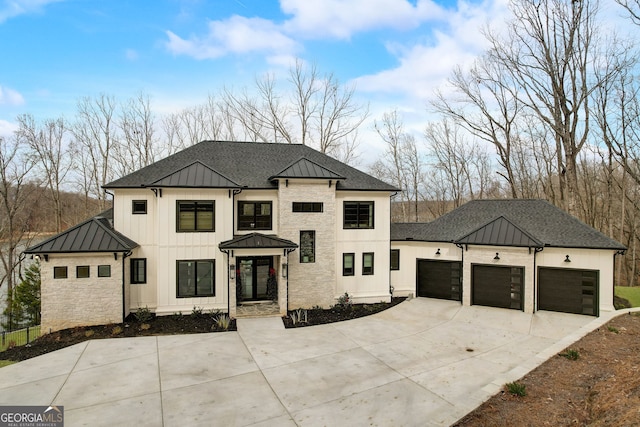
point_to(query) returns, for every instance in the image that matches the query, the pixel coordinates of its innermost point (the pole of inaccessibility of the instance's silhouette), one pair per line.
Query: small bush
(116, 330)
(516, 388)
(571, 354)
(176, 316)
(143, 315)
(298, 316)
(196, 312)
(222, 321)
(89, 333)
(613, 329)
(12, 344)
(145, 326)
(344, 301)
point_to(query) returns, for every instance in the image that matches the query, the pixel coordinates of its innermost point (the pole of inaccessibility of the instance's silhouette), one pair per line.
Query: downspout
(124, 308)
(535, 280)
(228, 282)
(613, 285)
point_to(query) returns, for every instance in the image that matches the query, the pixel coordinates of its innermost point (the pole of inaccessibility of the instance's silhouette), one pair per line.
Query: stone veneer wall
(314, 283)
(71, 302)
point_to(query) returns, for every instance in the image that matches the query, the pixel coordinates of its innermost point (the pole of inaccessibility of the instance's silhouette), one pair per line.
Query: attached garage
(439, 279)
(568, 290)
(497, 286)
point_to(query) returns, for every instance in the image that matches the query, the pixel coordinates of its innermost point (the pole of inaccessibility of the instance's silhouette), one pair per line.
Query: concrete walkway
(424, 362)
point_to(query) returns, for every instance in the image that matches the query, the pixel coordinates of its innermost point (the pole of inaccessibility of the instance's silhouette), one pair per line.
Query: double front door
(253, 277)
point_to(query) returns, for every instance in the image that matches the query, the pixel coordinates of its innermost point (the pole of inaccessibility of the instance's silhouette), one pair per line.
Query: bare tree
(95, 131)
(52, 154)
(16, 219)
(548, 52)
(137, 147)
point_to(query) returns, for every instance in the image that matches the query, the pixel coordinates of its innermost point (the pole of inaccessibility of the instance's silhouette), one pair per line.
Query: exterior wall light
(497, 257)
(283, 270)
(232, 271)
(566, 259)
(438, 251)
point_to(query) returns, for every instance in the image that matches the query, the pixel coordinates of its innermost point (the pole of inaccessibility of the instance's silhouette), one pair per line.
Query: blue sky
(396, 52)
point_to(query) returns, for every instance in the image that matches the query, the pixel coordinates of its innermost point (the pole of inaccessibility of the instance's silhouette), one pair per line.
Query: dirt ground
(600, 388)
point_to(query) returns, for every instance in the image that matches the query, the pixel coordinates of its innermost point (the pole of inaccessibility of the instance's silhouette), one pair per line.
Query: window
(195, 216)
(195, 278)
(82, 271)
(139, 207)
(358, 215)
(59, 272)
(395, 259)
(367, 263)
(307, 207)
(307, 246)
(254, 215)
(104, 271)
(347, 264)
(138, 270)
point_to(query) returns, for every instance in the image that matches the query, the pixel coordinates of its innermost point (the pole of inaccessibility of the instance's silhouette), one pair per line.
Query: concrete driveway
(424, 362)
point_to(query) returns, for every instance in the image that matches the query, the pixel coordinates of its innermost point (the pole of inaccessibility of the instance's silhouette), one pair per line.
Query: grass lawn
(18, 337)
(632, 294)
(6, 363)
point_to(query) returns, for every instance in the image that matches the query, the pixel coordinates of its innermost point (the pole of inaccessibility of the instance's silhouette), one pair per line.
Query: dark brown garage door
(498, 286)
(439, 279)
(568, 290)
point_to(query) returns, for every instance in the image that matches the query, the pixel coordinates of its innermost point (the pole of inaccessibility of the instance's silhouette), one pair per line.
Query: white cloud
(236, 35)
(131, 54)
(9, 96)
(340, 19)
(12, 8)
(7, 128)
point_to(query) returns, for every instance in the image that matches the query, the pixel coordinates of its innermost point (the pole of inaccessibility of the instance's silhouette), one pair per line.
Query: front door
(253, 277)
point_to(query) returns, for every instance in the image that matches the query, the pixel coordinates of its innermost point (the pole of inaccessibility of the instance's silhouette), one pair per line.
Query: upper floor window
(395, 259)
(139, 207)
(104, 270)
(59, 272)
(358, 214)
(307, 207)
(254, 215)
(195, 216)
(82, 271)
(307, 246)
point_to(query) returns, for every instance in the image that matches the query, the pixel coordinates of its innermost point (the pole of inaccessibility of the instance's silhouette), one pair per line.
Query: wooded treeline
(549, 111)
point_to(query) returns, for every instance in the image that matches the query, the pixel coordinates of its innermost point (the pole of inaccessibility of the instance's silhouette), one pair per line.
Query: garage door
(568, 290)
(439, 279)
(495, 286)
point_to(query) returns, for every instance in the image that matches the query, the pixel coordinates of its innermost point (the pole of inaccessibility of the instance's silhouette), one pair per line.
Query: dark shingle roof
(257, 240)
(93, 235)
(538, 220)
(253, 165)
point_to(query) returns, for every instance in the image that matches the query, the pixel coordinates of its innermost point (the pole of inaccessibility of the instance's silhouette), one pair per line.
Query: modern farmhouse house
(222, 225)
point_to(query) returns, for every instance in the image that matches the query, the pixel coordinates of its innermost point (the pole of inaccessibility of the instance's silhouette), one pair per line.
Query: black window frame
(346, 272)
(139, 207)
(135, 265)
(303, 247)
(59, 269)
(307, 207)
(83, 267)
(197, 206)
(366, 272)
(102, 267)
(196, 262)
(253, 220)
(394, 259)
(354, 211)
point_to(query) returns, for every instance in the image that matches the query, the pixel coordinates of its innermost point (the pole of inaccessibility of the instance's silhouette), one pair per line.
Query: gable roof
(305, 168)
(537, 220)
(93, 235)
(195, 175)
(254, 165)
(257, 240)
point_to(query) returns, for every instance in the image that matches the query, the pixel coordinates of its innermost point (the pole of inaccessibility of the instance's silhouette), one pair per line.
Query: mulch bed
(337, 313)
(174, 324)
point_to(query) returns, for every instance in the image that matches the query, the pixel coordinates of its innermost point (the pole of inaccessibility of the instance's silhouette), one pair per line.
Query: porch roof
(257, 241)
